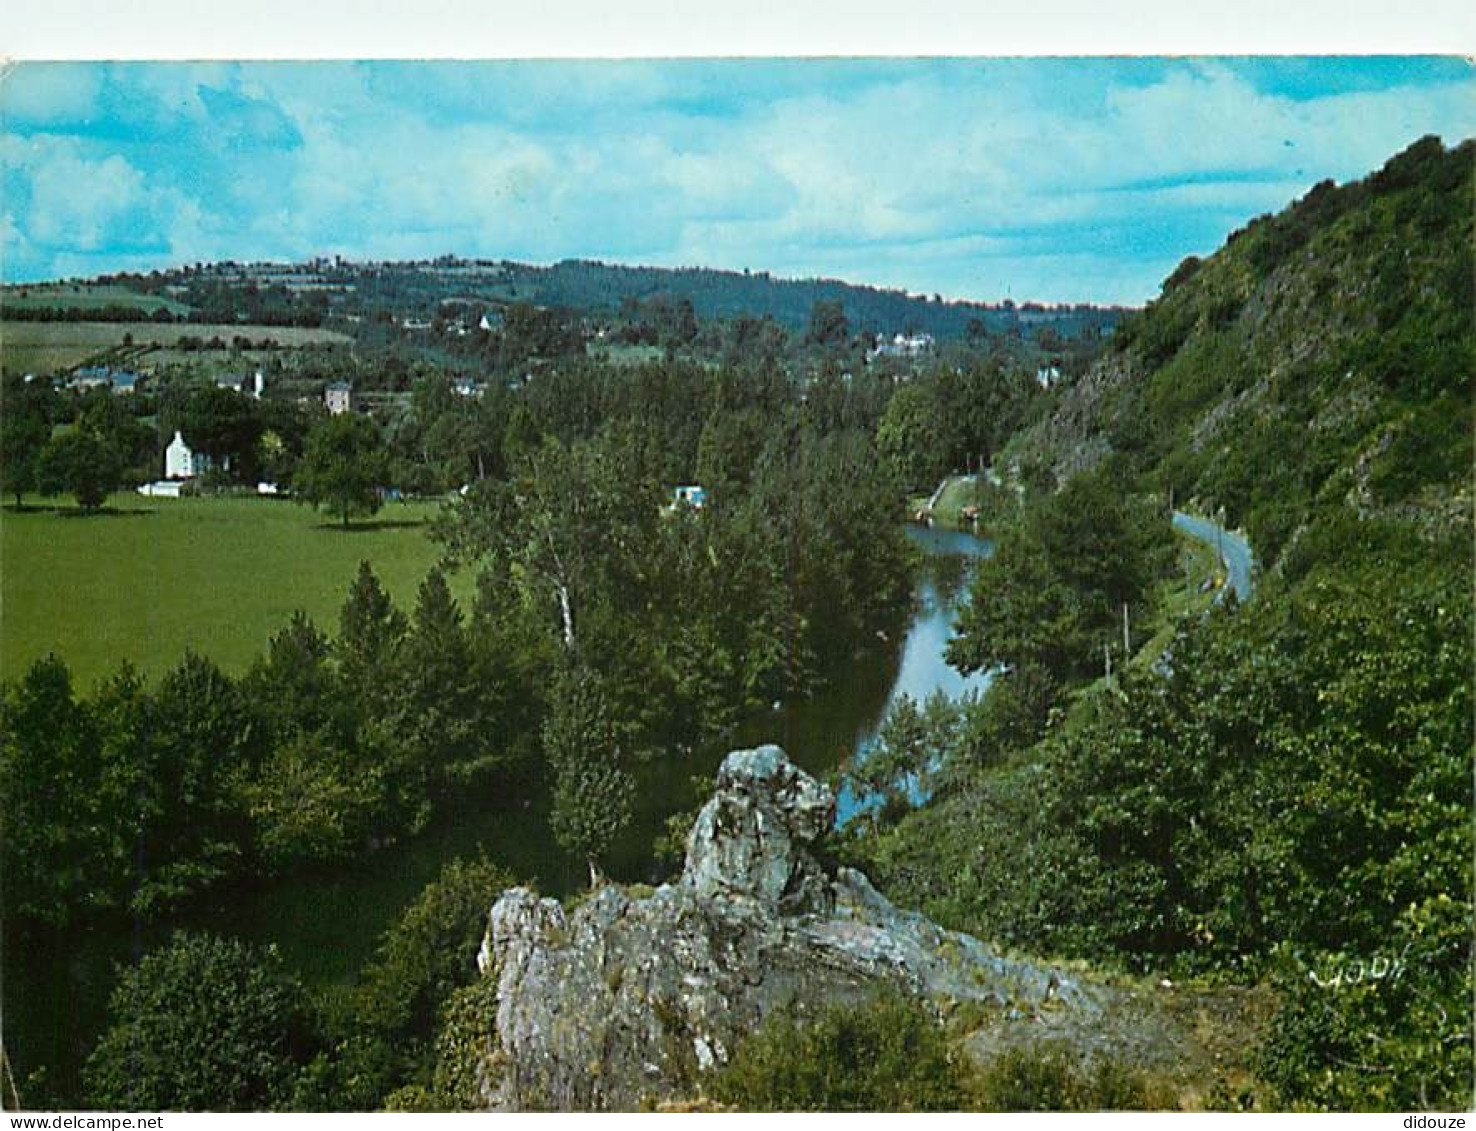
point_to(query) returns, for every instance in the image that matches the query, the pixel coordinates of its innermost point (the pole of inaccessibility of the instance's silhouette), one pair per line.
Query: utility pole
(1127, 648)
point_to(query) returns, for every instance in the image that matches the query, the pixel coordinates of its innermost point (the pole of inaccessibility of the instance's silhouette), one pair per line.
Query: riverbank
(969, 503)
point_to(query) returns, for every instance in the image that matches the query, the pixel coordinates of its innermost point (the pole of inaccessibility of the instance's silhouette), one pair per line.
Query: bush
(886, 1054)
(389, 1038)
(206, 1024)
(1433, 445)
(431, 951)
(1052, 1079)
(1386, 1031)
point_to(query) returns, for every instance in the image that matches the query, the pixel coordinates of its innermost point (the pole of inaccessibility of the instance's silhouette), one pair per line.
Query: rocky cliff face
(1290, 370)
(627, 999)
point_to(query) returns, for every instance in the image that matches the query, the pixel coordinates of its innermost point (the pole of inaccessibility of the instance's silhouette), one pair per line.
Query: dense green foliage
(1049, 604)
(343, 467)
(465, 1041)
(1281, 794)
(25, 427)
(677, 620)
(886, 1054)
(384, 1040)
(1325, 350)
(210, 1024)
(738, 603)
(1284, 792)
(432, 951)
(204, 1024)
(954, 417)
(143, 799)
(592, 787)
(81, 464)
(126, 801)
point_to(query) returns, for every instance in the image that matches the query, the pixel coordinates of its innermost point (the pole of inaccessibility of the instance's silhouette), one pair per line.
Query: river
(326, 923)
(838, 727)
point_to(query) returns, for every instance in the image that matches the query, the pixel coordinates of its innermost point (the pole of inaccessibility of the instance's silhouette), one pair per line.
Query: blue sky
(1058, 180)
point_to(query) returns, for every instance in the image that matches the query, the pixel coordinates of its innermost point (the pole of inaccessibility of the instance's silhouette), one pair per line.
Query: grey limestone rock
(624, 1000)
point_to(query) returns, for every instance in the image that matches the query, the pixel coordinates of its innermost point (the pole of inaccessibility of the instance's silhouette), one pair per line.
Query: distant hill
(305, 294)
(589, 285)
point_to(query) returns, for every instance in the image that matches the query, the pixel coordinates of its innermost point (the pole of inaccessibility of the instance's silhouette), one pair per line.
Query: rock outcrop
(627, 999)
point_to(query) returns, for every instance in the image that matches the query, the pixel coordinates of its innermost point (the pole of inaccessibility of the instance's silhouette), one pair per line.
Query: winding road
(1234, 551)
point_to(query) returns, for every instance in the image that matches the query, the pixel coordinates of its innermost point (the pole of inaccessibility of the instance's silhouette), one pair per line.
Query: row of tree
(793, 564)
(142, 799)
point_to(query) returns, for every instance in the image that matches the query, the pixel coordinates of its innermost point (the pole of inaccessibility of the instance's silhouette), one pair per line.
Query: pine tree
(441, 719)
(370, 635)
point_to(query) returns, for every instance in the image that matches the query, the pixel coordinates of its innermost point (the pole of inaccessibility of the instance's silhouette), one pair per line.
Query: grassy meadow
(86, 296)
(619, 354)
(48, 347)
(150, 577)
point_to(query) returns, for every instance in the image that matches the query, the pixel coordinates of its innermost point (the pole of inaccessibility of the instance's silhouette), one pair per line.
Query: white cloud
(47, 93)
(76, 202)
(966, 180)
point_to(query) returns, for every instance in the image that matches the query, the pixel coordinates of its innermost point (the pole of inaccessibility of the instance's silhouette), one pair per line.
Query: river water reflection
(837, 728)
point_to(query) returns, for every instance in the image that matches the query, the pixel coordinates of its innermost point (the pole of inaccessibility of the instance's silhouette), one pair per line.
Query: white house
(339, 398)
(179, 459)
(903, 345)
(182, 462)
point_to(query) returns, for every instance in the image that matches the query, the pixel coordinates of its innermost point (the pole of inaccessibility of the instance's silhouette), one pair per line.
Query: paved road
(1234, 550)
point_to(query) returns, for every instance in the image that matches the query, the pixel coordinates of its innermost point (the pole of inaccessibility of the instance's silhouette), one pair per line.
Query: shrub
(1049, 1078)
(886, 1054)
(205, 1024)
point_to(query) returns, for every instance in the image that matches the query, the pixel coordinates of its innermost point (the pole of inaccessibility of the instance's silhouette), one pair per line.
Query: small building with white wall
(179, 459)
(339, 398)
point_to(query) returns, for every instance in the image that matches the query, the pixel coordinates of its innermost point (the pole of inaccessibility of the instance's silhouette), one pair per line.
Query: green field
(49, 347)
(617, 354)
(219, 575)
(86, 296)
